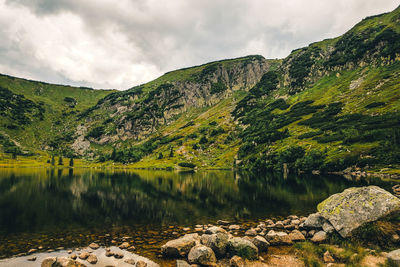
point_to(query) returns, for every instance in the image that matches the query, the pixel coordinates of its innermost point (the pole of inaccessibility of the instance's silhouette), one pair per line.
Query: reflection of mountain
(33, 200)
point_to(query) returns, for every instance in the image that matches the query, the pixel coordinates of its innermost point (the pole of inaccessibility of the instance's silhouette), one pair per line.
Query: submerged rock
(243, 248)
(354, 207)
(202, 255)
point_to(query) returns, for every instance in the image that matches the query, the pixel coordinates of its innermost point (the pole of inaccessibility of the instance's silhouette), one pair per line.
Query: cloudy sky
(119, 44)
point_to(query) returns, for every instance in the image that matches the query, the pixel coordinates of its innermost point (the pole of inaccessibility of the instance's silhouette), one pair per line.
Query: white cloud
(119, 44)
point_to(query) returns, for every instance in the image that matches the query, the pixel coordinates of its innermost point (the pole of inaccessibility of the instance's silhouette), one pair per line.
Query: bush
(203, 140)
(186, 165)
(96, 132)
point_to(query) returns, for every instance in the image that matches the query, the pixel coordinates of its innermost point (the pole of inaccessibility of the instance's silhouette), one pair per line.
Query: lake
(73, 207)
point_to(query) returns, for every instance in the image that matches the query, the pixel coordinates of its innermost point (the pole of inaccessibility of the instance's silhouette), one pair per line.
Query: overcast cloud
(119, 44)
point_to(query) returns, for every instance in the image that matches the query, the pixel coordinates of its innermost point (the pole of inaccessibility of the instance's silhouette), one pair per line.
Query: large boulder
(354, 207)
(202, 255)
(260, 243)
(217, 242)
(179, 247)
(243, 248)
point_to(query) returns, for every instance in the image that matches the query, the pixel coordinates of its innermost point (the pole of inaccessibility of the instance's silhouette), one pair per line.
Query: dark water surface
(73, 207)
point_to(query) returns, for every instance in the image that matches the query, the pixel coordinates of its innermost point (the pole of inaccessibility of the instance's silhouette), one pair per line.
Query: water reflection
(33, 200)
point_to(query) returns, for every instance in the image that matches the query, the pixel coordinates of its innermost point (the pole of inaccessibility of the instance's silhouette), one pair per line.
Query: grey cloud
(126, 42)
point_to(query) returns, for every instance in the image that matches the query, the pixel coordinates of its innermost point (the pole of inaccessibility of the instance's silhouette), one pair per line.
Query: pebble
(124, 245)
(73, 256)
(32, 259)
(141, 264)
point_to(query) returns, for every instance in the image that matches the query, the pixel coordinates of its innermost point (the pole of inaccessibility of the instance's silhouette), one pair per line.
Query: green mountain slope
(37, 115)
(328, 106)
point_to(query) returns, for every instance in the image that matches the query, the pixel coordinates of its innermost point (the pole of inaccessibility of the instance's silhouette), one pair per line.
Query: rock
(314, 221)
(279, 225)
(215, 229)
(217, 242)
(130, 261)
(84, 255)
(131, 248)
(261, 243)
(109, 254)
(32, 259)
(290, 227)
(328, 228)
(69, 251)
(296, 236)
(141, 264)
(65, 262)
(251, 232)
(354, 207)
(73, 256)
(395, 238)
(319, 237)
(186, 229)
(48, 262)
(278, 238)
(243, 248)
(94, 246)
(236, 261)
(124, 245)
(179, 247)
(181, 263)
(222, 222)
(393, 258)
(92, 259)
(234, 227)
(202, 255)
(328, 258)
(295, 222)
(33, 250)
(118, 255)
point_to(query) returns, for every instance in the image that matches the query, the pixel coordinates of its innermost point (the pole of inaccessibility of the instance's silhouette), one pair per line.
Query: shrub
(186, 165)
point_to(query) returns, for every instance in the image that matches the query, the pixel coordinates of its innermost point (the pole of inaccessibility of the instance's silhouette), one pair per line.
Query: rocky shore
(227, 243)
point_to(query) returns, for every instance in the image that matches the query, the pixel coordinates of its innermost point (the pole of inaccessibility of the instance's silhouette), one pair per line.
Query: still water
(73, 207)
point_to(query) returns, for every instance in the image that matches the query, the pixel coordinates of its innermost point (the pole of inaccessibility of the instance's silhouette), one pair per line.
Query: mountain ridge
(247, 112)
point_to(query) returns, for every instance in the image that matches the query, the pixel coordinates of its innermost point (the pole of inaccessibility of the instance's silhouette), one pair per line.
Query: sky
(119, 44)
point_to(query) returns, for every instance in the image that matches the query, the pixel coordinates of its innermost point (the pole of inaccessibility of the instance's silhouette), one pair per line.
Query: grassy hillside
(35, 115)
(331, 105)
(327, 106)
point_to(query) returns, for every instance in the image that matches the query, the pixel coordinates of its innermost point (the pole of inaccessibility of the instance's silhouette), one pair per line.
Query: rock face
(243, 248)
(179, 247)
(354, 207)
(202, 255)
(394, 258)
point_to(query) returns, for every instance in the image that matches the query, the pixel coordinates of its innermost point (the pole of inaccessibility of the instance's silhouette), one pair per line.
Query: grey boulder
(357, 206)
(202, 255)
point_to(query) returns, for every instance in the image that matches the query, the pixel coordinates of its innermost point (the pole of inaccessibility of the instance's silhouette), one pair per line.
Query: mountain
(327, 106)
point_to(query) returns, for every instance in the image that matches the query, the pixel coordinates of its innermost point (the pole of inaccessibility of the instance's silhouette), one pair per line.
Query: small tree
(14, 153)
(171, 151)
(71, 162)
(60, 161)
(53, 161)
(160, 156)
(113, 154)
